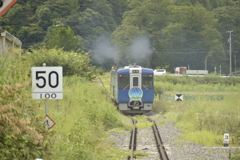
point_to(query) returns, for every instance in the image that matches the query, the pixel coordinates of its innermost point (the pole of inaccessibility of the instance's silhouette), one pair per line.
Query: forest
(151, 33)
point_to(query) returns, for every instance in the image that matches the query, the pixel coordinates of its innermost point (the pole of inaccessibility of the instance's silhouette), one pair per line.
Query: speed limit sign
(47, 83)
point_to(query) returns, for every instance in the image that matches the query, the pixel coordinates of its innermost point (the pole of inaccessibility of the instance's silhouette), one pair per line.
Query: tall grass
(210, 118)
(22, 135)
(84, 117)
(187, 83)
(208, 109)
(13, 69)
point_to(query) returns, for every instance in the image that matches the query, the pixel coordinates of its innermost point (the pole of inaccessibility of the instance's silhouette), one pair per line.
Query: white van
(159, 72)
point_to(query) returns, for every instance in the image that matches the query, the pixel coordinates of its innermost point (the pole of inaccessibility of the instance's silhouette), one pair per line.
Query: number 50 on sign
(47, 83)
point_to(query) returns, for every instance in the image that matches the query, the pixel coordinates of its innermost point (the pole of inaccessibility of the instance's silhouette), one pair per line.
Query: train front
(136, 89)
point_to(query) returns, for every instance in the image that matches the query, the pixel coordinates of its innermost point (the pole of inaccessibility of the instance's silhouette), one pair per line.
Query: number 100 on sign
(47, 83)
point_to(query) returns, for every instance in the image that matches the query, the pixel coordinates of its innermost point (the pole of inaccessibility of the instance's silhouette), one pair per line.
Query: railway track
(158, 141)
(133, 140)
(161, 149)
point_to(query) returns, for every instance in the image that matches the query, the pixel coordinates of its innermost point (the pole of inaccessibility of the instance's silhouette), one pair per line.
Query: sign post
(47, 84)
(46, 100)
(178, 97)
(5, 5)
(48, 121)
(225, 139)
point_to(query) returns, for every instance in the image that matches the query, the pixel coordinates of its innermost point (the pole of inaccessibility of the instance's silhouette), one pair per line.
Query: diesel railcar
(132, 89)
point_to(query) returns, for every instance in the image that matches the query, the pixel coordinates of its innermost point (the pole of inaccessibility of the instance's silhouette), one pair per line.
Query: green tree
(192, 37)
(63, 8)
(228, 20)
(180, 34)
(61, 37)
(123, 37)
(73, 63)
(91, 25)
(118, 8)
(16, 17)
(32, 33)
(143, 18)
(208, 4)
(87, 18)
(105, 10)
(43, 17)
(33, 3)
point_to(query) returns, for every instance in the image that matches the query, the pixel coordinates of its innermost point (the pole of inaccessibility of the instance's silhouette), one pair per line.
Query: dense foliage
(22, 135)
(153, 33)
(73, 63)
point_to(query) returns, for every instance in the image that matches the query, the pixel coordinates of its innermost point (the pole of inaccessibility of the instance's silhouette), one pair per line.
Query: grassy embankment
(85, 118)
(210, 107)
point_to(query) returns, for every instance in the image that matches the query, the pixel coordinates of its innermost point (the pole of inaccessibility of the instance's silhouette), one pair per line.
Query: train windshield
(147, 81)
(135, 81)
(123, 81)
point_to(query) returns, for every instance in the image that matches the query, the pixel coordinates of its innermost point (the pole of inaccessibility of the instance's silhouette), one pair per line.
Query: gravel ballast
(176, 148)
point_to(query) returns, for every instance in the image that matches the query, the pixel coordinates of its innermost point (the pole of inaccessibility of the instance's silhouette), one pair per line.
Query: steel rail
(133, 139)
(101, 81)
(161, 149)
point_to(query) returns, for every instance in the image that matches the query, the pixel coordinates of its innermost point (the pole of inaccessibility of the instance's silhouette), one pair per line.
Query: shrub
(13, 70)
(22, 136)
(72, 63)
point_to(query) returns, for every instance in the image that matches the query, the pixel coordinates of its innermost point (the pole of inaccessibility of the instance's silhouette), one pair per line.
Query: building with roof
(7, 42)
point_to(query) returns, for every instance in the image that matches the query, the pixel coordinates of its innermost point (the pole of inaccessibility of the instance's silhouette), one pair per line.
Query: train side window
(124, 81)
(147, 81)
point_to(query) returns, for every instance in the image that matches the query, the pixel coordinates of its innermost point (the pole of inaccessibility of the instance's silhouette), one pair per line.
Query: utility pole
(230, 51)
(235, 62)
